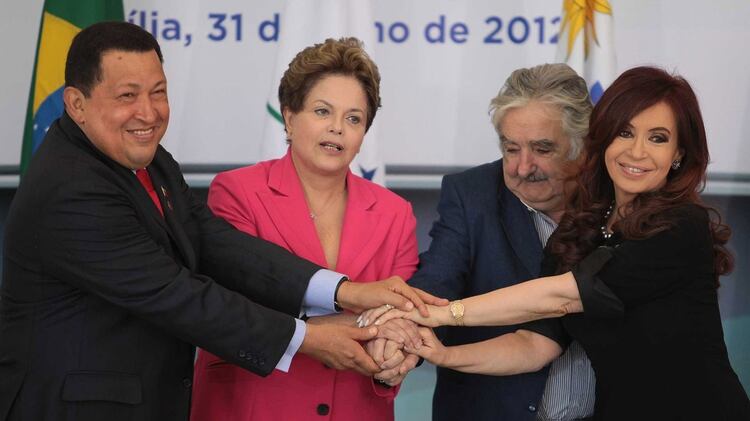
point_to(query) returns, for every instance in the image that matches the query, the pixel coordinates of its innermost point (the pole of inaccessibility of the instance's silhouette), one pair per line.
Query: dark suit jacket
(484, 239)
(103, 299)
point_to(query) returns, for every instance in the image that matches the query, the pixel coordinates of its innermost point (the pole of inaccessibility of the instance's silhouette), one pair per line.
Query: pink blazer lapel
(365, 228)
(285, 203)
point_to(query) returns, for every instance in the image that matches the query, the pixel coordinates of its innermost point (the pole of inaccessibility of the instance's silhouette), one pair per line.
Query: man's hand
(394, 376)
(338, 347)
(389, 356)
(359, 296)
(376, 349)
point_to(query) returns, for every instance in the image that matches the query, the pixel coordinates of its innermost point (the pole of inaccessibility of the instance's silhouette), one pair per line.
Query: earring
(676, 164)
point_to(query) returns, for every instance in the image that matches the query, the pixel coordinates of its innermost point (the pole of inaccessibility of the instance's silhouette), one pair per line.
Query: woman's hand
(369, 316)
(439, 316)
(432, 349)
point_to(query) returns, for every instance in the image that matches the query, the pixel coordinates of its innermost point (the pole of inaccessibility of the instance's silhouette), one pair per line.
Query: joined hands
(403, 337)
(339, 346)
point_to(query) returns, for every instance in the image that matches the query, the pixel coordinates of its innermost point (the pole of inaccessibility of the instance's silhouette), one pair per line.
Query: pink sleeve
(384, 392)
(227, 199)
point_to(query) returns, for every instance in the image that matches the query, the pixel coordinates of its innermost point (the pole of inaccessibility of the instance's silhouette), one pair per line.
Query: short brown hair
(344, 56)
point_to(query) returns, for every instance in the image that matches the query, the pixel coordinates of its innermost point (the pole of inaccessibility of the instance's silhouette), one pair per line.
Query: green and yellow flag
(61, 21)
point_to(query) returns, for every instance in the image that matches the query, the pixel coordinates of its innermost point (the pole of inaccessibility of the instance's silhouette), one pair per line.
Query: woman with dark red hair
(634, 268)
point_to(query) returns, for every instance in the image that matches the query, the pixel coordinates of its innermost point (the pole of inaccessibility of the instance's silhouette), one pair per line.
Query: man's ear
(75, 101)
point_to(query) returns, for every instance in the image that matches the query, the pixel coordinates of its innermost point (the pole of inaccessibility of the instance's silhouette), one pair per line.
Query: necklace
(605, 232)
(326, 205)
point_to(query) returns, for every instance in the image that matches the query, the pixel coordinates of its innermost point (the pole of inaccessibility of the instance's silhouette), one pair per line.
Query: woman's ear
(288, 116)
(679, 154)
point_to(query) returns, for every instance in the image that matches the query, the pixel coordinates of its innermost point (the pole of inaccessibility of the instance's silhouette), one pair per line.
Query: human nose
(146, 110)
(526, 164)
(637, 149)
(336, 126)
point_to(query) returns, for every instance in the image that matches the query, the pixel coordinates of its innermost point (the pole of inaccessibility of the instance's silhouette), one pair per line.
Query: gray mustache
(535, 177)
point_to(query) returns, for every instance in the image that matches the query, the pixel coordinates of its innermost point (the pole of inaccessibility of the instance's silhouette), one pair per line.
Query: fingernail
(378, 322)
(359, 323)
(359, 319)
(409, 305)
(367, 322)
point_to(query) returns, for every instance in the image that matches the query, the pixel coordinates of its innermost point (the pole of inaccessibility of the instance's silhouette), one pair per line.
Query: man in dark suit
(113, 269)
(494, 220)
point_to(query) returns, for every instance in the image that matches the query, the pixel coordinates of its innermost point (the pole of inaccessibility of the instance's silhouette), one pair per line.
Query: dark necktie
(144, 178)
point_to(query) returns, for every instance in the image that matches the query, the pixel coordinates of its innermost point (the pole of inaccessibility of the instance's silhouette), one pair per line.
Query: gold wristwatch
(457, 311)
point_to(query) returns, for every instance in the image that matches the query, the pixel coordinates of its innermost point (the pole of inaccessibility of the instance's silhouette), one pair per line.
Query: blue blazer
(484, 239)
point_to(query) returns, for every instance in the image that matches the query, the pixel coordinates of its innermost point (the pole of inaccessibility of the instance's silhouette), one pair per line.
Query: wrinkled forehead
(552, 143)
(531, 123)
(538, 132)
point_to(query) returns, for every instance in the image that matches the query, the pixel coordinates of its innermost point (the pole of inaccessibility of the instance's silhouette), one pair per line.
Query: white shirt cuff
(299, 335)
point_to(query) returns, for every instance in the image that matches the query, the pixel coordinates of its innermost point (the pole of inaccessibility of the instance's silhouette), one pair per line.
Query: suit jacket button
(323, 409)
(187, 382)
(532, 408)
(242, 353)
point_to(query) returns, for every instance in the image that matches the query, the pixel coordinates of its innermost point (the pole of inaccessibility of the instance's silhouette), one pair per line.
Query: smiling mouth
(632, 170)
(142, 132)
(335, 147)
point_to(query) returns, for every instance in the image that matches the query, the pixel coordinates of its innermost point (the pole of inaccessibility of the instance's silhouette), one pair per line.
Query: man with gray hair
(494, 221)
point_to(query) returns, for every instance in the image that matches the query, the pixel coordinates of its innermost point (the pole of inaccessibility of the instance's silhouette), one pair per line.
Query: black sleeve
(597, 299)
(551, 328)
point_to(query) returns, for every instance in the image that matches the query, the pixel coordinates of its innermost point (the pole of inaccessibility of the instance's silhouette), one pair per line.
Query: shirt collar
(539, 213)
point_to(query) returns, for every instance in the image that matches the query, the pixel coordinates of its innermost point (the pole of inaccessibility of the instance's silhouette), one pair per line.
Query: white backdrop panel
(435, 94)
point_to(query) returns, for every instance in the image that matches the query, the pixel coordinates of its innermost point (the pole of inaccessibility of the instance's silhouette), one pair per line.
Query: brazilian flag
(61, 21)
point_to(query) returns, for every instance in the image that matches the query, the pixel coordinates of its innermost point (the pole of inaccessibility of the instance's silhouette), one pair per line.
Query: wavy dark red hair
(634, 91)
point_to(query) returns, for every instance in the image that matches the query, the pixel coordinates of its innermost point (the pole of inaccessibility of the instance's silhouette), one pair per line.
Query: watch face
(457, 309)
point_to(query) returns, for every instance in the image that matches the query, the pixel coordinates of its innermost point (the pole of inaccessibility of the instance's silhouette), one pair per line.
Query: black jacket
(103, 299)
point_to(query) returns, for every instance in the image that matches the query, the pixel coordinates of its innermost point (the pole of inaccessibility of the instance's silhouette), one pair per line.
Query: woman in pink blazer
(310, 203)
